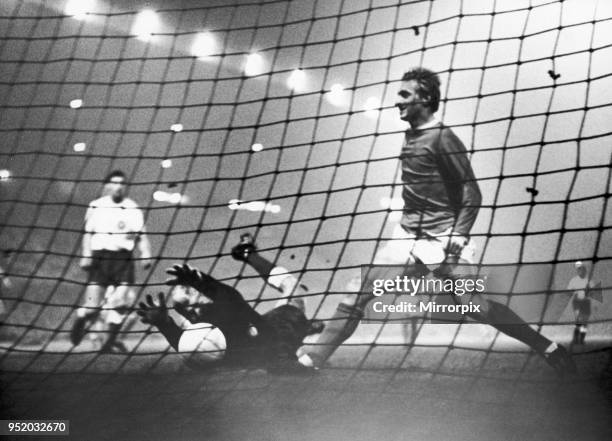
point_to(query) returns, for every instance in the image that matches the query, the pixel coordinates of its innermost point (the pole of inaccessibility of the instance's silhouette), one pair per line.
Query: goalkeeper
(248, 338)
(441, 202)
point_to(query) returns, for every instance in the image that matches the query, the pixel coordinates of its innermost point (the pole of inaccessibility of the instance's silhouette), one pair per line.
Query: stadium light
(255, 206)
(257, 147)
(254, 65)
(145, 24)
(337, 95)
(79, 147)
(176, 127)
(174, 198)
(204, 45)
(75, 104)
(170, 198)
(372, 107)
(79, 9)
(297, 80)
(166, 163)
(5, 175)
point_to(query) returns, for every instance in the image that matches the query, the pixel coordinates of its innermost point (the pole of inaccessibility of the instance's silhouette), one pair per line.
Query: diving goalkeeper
(236, 333)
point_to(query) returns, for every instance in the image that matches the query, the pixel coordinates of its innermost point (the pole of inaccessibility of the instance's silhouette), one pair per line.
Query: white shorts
(431, 249)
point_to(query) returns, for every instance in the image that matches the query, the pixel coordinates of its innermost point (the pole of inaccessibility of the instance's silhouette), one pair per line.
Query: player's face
(116, 188)
(410, 103)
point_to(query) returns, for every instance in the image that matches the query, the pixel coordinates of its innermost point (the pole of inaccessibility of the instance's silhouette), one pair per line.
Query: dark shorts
(582, 309)
(111, 268)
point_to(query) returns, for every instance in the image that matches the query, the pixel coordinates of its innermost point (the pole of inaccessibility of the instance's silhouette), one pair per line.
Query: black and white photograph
(309, 220)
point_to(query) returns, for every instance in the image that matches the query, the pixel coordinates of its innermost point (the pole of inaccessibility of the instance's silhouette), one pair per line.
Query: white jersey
(113, 226)
(579, 286)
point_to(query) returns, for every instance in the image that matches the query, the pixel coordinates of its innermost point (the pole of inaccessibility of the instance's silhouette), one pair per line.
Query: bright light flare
(5, 175)
(176, 127)
(75, 104)
(203, 45)
(145, 25)
(297, 80)
(170, 198)
(257, 147)
(79, 9)
(254, 65)
(255, 206)
(166, 163)
(79, 147)
(337, 95)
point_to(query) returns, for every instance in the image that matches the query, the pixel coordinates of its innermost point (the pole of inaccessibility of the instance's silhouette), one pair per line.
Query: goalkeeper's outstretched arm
(223, 296)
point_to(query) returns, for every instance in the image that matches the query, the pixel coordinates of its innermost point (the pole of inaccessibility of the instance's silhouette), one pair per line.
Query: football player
(441, 201)
(246, 337)
(114, 228)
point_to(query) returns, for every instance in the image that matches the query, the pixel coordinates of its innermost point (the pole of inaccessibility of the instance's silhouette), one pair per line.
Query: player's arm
(144, 247)
(85, 262)
(457, 171)
(156, 314)
(216, 291)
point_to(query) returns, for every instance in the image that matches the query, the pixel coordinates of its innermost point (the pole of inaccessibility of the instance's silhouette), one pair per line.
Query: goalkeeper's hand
(152, 313)
(184, 275)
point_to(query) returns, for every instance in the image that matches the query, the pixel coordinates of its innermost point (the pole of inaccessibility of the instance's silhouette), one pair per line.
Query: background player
(114, 227)
(270, 339)
(441, 202)
(582, 288)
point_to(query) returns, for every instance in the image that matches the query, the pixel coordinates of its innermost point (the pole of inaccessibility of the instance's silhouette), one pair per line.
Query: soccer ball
(201, 345)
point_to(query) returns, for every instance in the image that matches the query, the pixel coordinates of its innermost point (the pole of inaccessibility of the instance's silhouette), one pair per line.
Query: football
(201, 345)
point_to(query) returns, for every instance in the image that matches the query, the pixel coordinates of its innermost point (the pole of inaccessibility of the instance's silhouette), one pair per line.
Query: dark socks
(508, 322)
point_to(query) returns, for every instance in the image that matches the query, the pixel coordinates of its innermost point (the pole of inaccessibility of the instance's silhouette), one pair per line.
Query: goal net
(277, 118)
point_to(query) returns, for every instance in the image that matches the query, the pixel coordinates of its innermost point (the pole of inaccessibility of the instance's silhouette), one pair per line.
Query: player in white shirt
(580, 285)
(114, 227)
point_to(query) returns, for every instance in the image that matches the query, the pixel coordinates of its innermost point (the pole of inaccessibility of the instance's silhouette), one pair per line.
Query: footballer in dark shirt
(222, 328)
(441, 203)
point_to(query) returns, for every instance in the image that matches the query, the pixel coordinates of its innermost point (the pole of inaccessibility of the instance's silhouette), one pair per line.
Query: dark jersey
(439, 190)
(280, 331)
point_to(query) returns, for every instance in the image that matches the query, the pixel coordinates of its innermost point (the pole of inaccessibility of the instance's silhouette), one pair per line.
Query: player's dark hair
(115, 174)
(429, 86)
